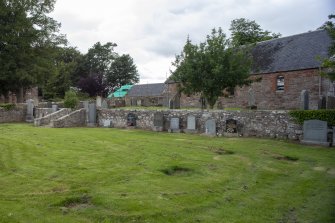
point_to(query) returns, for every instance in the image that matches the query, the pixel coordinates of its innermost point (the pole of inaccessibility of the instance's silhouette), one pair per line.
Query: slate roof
(291, 53)
(144, 90)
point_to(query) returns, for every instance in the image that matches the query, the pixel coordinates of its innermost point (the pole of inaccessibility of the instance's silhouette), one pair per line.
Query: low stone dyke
(271, 124)
(46, 120)
(17, 114)
(74, 119)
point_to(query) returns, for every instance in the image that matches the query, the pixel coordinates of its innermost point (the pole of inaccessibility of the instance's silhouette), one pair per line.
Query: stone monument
(251, 99)
(92, 114)
(210, 127)
(315, 132)
(158, 122)
(99, 101)
(191, 124)
(304, 100)
(174, 125)
(30, 111)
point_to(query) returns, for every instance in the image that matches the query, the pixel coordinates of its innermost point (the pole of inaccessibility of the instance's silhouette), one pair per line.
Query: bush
(7, 106)
(325, 115)
(71, 100)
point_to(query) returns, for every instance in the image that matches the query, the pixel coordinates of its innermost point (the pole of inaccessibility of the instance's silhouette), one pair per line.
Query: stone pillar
(54, 107)
(30, 111)
(99, 101)
(92, 114)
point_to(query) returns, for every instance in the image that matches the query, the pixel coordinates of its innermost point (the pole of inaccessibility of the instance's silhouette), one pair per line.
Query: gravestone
(104, 104)
(131, 119)
(191, 124)
(158, 122)
(54, 107)
(92, 114)
(315, 132)
(210, 127)
(251, 99)
(333, 136)
(304, 100)
(99, 101)
(174, 125)
(106, 123)
(30, 111)
(85, 105)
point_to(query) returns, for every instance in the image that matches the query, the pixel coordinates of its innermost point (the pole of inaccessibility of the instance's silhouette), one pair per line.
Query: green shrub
(325, 115)
(7, 106)
(71, 100)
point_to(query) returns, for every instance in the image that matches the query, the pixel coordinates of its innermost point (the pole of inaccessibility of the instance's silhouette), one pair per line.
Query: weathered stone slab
(210, 127)
(98, 101)
(30, 111)
(54, 108)
(174, 125)
(104, 104)
(191, 124)
(158, 122)
(107, 123)
(304, 100)
(92, 114)
(315, 132)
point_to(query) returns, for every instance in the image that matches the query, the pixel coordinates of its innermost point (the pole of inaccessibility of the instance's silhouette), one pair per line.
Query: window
(280, 83)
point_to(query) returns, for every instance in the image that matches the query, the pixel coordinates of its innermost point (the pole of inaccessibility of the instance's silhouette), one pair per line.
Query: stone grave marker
(30, 111)
(333, 136)
(85, 105)
(315, 132)
(251, 98)
(92, 114)
(158, 122)
(131, 119)
(54, 107)
(174, 125)
(98, 101)
(106, 123)
(104, 104)
(304, 100)
(210, 127)
(191, 124)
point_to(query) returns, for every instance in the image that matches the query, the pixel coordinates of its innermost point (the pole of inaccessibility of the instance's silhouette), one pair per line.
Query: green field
(113, 175)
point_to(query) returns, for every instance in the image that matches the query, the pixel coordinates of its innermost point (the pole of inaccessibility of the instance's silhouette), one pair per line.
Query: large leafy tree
(211, 67)
(103, 70)
(27, 39)
(244, 32)
(329, 63)
(123, 71)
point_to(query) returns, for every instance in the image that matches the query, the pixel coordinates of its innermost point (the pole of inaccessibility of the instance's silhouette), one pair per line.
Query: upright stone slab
(191, 124)
(98, 101)
(85, 105)
(315, 132)
(30, 111)
(304, 100)
(158, 122)
(333, 136)
(251, 99)
(92, 114)
(106, 123)
(104, 104)
(174, 125)
(54, 107)
(210, 127)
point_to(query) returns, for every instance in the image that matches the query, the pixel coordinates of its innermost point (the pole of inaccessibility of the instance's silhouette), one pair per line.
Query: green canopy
(121, 92)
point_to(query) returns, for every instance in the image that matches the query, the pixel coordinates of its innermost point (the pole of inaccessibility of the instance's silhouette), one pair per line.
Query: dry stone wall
(14, 115)
(273, 124)
(74, 119)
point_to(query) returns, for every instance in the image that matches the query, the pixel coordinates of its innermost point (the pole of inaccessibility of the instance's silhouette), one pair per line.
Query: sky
(152, 32)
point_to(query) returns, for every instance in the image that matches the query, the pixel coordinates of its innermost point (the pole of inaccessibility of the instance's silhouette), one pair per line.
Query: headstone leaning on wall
(315, 132)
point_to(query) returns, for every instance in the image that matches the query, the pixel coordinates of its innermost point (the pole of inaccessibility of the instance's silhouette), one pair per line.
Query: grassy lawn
(113, 175)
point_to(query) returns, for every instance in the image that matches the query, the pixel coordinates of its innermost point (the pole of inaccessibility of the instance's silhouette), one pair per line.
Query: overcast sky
(154, 31)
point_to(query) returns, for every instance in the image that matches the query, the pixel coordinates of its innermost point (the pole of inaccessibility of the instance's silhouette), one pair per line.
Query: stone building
(285, 66)
(146, 95)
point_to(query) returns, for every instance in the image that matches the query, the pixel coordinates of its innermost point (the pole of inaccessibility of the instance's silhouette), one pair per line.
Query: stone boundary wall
(41, 112)
(46, 120)
(74, 119)
(273, 124)
(15, 115)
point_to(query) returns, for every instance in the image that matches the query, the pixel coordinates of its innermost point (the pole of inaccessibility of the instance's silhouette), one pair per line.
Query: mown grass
(113, 175)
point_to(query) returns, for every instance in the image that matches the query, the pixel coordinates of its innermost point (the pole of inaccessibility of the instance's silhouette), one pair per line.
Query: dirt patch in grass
(176, 170)
(76, 202)
(287, 158)
(221, 151)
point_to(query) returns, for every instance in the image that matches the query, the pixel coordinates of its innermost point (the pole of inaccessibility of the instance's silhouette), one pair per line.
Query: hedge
(7, 106)
(325, 115)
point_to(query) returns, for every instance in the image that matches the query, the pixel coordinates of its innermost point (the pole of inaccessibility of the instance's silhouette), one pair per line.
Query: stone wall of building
(17, 114)
(74, 119)
(265, 92)
(273, 124)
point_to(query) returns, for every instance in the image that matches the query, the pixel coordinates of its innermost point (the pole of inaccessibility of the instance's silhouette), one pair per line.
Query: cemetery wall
(14, 115)
(273, 124)
(74, 119)
(46, 120)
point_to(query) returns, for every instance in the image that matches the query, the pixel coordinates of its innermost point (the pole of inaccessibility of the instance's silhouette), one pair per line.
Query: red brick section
(266, 94)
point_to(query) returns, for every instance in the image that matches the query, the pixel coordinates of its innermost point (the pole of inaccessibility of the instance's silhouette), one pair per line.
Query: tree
(123, 71)
(329, 63)
(27, 36)
(94, 85)
(211, 67)
(244, 32)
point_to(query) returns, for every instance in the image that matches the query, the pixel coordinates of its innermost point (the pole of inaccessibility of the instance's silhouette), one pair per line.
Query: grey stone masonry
(257, 123)
(315, 132)
(46, 120)
(74, 119)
